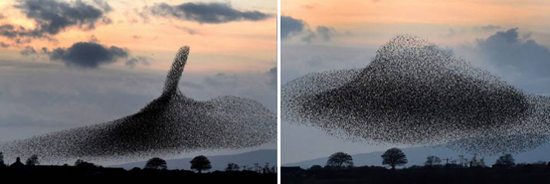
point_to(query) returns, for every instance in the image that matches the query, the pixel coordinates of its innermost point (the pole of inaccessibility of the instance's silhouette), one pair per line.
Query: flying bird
(413, 92)
(173, 123)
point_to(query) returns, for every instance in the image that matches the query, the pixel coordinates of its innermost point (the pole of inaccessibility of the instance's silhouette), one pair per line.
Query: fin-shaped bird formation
(171, 124)
(415, 93)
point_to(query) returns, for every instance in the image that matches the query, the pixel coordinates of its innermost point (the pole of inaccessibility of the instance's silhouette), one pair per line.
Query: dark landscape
(155, 169)
(339, 168)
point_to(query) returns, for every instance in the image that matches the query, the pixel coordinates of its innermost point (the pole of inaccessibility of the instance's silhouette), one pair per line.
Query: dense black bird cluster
(171, 124)
(415, 93)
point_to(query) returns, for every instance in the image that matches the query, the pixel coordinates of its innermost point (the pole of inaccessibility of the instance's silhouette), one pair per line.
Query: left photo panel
(134, 90)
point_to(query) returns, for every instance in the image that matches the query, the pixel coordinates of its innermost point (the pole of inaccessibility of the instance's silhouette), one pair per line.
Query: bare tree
(339, 160)
(394, 157)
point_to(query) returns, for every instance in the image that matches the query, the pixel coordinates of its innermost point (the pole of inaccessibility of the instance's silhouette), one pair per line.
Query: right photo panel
(425, 91)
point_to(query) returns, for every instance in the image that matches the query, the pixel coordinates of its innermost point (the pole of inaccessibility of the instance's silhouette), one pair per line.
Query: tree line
(396, 157)
(199, 163)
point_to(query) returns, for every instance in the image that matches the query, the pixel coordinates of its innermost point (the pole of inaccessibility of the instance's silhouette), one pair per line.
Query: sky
(73, 63)
(509, 38)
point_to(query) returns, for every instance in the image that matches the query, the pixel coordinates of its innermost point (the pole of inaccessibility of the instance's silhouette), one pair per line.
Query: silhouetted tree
(339, 160)
(200, 163)
(505, 161)
(315, 167)
(394, 157)
(432, 161)
(156, 163)
(232, 167)
(33, 160)
(477, 163)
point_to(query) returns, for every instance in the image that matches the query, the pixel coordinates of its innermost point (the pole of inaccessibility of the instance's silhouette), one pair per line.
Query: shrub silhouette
(315, 167)
(200, 163)
(156, 163)
(33, 160)
(83, 164)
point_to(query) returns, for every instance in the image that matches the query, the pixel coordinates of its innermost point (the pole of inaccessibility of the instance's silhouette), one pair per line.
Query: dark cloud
(325, 32)
(140, 60)
(87, 55)
(28, 51)
(15, 32)
(290, 26)
(52, 17)
(508, 51)
(210, 13)
(104, 5)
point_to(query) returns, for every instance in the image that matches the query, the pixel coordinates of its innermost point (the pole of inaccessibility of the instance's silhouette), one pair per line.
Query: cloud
(490, 27)
(87, 55)
(209, 13)
(325, 32)
(139, 60)
(472, 30)
(187, 30)
(52, 17)
(508, 51)
(291, 27)
(28, 51)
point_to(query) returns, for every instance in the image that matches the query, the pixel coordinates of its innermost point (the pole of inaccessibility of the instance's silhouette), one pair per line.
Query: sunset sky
(73, 63)
(235, 46)
(509, 38)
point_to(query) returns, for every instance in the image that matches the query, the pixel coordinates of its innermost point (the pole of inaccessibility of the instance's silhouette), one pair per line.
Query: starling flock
(416, 93)
(171, 124)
